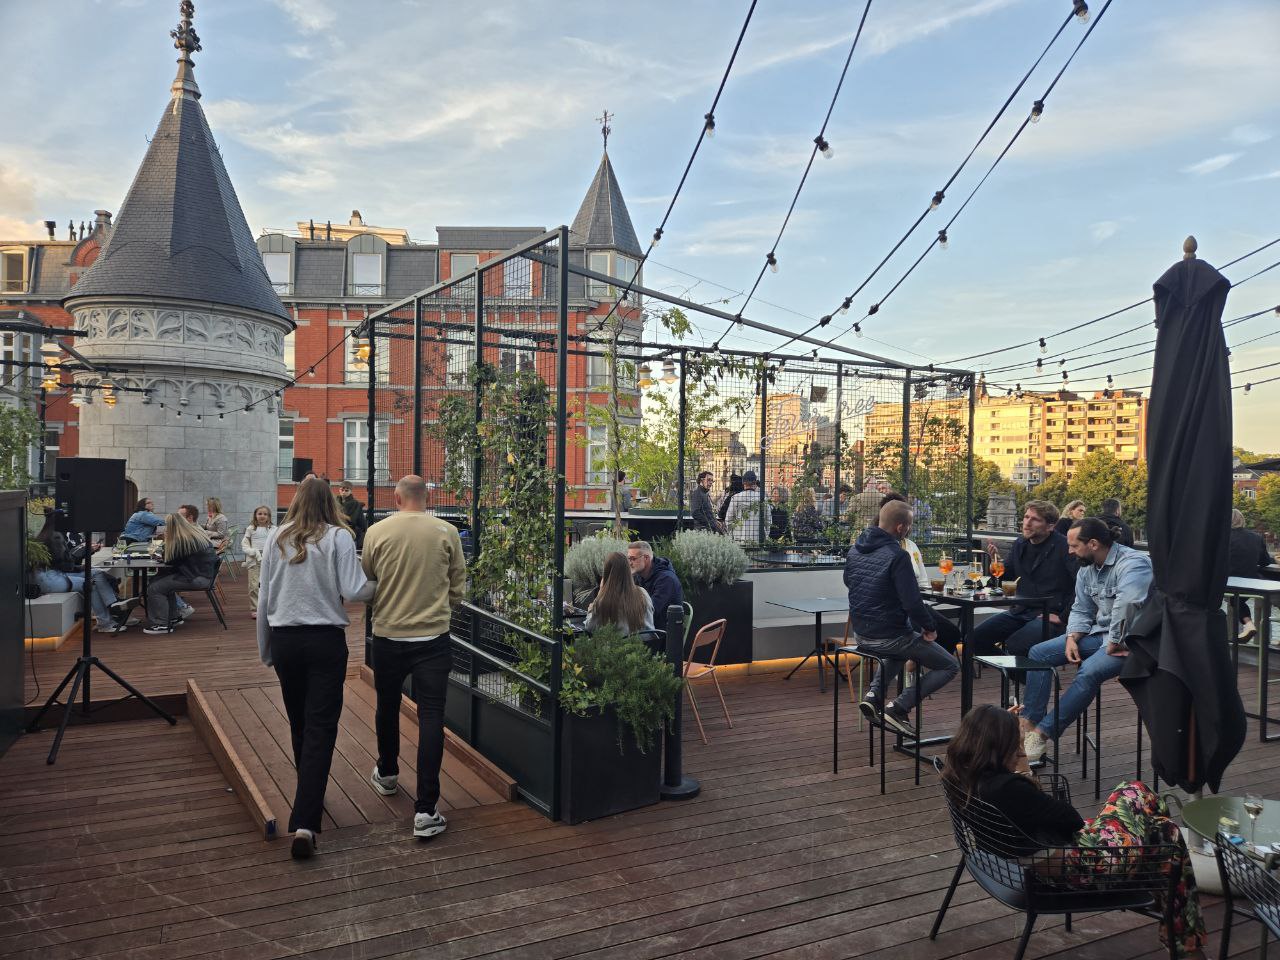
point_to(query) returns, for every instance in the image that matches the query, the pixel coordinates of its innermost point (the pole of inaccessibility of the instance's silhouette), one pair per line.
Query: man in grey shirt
(700, 509)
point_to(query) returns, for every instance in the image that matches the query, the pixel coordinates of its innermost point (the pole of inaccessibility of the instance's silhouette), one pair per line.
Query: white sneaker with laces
(384, 785)
(304, 845)
(428, 824)
(1247, 632)
(1033, 746)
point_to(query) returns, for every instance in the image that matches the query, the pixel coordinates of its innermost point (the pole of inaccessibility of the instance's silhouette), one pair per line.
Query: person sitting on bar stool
(1110, 588)
(889, 618)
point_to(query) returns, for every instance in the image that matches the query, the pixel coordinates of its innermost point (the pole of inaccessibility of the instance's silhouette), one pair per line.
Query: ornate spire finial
(184, 35)
(187, 42)
(605, 129)
(1189, 247)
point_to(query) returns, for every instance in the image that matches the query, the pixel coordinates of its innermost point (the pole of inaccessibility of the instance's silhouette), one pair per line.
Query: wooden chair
(1244, 879)
(710, 635)
(1022, 874)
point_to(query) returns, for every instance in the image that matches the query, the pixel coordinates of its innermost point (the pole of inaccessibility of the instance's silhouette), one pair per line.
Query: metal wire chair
(1243, 878)
(1025, 875)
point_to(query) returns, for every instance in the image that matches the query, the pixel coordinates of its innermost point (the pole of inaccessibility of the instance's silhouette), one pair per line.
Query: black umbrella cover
(1179, 672)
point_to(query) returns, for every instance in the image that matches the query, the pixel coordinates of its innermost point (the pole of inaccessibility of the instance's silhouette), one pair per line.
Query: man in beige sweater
(422, 575)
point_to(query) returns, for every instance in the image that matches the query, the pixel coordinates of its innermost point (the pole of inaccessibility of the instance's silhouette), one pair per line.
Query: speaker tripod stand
(81, 673)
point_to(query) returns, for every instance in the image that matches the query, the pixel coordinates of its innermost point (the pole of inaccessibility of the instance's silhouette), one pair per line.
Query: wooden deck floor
(132, 847)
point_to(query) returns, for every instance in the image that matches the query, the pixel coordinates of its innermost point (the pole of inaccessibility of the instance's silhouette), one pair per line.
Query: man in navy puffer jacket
(890, 618)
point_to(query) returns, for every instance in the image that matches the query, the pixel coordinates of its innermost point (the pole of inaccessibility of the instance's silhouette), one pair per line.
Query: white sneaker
(185, 612)
(1033, 746)
(384, 785)
(1247, 633)
(428, 824)
(304, 845)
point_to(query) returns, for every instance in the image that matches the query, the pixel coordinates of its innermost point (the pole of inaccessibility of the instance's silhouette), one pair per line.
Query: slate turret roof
(602, 220)
(181, 233)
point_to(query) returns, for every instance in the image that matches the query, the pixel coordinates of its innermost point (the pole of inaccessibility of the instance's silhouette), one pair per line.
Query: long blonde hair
(313, 511)
(619, 601)
(182, 537)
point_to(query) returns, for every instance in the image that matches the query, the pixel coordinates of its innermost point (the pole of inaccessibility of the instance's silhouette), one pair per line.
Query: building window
(278, 270)
(459, 359)
(516, 353)
(598, 363)
(284, 469)
(366, 274)
(597, 456)
(597, 263)
(381, 364)
(517, 278)
(52, 444)
(355, 450)
(289, 344)
(13, 271)
(626, 272)
(15, 349)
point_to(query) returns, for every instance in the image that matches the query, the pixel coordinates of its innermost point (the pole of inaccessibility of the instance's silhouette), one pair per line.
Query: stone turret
(179, 304)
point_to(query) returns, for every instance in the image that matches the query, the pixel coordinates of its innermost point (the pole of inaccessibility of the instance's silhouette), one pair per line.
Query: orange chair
(708, 636)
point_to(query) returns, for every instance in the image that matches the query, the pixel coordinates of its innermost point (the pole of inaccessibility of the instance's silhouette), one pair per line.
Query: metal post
(906, 432)
(477, 462)
(417, 386)
(562, 429)
(557, 722)
(682, 406)
(764, 443)
(968, 487)
(370, 486)
(44, 436)
(835, 490)
(675, 785)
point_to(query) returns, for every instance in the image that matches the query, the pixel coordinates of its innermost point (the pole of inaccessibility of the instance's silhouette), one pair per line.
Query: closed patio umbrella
(1179, 670)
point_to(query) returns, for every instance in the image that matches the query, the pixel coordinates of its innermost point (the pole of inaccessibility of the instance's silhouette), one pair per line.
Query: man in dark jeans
(1041, 563)
(890, 618)
(418, 563)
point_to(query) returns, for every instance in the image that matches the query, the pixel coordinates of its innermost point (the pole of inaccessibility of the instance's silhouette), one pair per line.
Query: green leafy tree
(19, 431)
(1268, 503)
(1054, 489)
(1100, 475)
(1249, 507)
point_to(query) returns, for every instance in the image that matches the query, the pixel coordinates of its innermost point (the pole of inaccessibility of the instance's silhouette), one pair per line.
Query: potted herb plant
(710, 567)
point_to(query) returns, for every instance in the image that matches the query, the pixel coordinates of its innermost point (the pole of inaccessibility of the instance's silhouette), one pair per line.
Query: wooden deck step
(247, 731)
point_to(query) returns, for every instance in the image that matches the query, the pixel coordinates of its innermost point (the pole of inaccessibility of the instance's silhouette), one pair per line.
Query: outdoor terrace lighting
(1081, 10)
(360, 354)
(657, 237)
(50, 381)
(107, 388)
(857, 330)
(1248, 387)
(1044, 347)
(77, 398)
(110, 400)
(51, 353)
(709, 125)
(936, 202)
(669, 371)
(942, 238)
(848, 302)
(772, 261)
(646, 375)
(1037, 109)
(824, 146)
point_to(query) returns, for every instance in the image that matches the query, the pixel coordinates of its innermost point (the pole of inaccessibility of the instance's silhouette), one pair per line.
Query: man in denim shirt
(1110, 587)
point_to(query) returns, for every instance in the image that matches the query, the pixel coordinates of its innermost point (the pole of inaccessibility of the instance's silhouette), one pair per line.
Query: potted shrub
(710, 567)
(584, 564)
(617, 697)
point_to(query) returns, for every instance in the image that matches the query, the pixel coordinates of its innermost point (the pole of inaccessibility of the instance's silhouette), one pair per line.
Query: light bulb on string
(824, 320)
(109, 399)
(1044, 347)
(51, 353)
(1039, 364)
(936, 202)
(848, 302)
(772, 261)
(709, 125)
(857, 330)
(823, 146)
(1248, 387)
(1081, 10)
(311, 372)
(657, 237)
(942, 238)
(1037, 110)
(77, 398)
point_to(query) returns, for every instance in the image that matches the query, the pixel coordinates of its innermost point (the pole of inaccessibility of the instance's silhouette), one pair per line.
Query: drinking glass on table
(945, 566)
(974, 573)
(997, 567)
(1253, 807)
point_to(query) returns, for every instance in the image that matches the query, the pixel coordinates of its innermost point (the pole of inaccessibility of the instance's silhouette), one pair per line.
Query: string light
(1248, 387)
(657, 237)
(646, 375)
(857, 330)
(772, 261)
(77, 398)
(50, 381)
(51, 353)
(1037, 109)
(942, 238)
(1039, 364)
(709, 125)
(823, 146)
(848, 302)
(938, 197)
(311, 372)
(669, 371)
(1081, 10)
(823, 321)
(1044, 347)
(109, 399)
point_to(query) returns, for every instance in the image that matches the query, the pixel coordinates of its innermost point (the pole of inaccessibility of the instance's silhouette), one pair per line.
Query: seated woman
(143, 523)
(985, 760)
(620, 601)
(215, 524)
(193, 564)
(65, 574)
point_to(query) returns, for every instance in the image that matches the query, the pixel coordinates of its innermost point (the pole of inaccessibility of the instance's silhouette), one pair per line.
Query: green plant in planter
(703, 560)
(37, 555)
(606, 668)
(584, 563)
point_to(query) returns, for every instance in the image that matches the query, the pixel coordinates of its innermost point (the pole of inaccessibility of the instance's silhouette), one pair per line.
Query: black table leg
(966, 661)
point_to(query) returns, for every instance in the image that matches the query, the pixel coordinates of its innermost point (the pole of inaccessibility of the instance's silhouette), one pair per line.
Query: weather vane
(184, 35)
(605, 129)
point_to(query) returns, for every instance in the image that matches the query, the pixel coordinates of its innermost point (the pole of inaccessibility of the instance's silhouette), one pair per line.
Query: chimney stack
(101, 220)
(356, 220)
(51, 226)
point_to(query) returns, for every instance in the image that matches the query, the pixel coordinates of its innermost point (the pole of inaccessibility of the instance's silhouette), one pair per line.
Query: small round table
(1201, 817)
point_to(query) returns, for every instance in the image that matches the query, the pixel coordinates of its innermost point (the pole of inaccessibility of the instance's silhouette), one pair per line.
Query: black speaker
(301, 467)
(89, 495)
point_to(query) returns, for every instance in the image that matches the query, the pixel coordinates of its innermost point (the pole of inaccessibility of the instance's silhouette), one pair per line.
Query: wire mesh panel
(938, 460)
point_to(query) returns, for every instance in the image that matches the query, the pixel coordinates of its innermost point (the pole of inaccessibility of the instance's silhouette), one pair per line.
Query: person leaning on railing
(985, 760)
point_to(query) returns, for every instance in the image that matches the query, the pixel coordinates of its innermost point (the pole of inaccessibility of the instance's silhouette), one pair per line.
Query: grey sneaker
(384, 785)
(184, 612)
(1033, 746)
(428, 824)
(304, 845)
(895, 718)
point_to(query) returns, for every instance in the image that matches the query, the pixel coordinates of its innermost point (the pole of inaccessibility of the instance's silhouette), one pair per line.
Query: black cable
(1035, 113)
(819, 143)
(708, 124)
(1107, 316)
(844, 306)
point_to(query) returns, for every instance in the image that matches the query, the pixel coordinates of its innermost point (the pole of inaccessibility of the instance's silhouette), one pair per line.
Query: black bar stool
(881, 660)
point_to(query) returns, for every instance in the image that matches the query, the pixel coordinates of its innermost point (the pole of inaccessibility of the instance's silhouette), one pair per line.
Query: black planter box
(596, 780)
(734, 604)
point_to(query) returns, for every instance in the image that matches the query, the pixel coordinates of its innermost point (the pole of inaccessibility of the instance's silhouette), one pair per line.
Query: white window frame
(515, 281)
(626, 269)
(8, 282)
(290, 352)
(364, 266)
(597, 456)
(279, 268)
(381, 365)
(17, 347)
(598, 262)
(517, 353)
(459, 359)
(355, 447)
(284, 470)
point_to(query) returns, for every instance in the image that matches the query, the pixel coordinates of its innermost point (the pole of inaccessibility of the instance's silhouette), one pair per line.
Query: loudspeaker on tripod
(301, 467)
(89, 495)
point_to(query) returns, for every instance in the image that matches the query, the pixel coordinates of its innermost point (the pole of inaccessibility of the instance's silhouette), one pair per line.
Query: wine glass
(1253, 807)
(945, 566)
(997, 568)
(974, 573)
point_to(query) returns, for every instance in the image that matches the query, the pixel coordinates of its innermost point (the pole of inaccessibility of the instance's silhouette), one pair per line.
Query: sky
(422, 113)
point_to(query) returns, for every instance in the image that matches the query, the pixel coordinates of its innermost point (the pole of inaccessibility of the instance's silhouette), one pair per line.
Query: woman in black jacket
(1247, 557)
(735, 487)
(193, 564)
(985, 760)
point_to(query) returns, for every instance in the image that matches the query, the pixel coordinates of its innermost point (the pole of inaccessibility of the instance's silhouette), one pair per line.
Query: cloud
(1212, 164)
(302, 181)
(1273, 175)
(1246, 135)
(311, 16)
(14, 228)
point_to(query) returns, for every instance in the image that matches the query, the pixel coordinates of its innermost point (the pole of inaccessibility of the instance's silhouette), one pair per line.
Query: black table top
(1014, 663)
(985, 601)
(813, 604)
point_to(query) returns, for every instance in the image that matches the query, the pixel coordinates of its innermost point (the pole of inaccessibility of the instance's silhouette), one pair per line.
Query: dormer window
(13, 271)
(278, 271)
(366, 274)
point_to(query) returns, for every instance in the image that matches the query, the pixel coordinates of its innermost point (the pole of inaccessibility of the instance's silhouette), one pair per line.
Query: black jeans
(428, 662)
(162, 603)
(311, 663)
